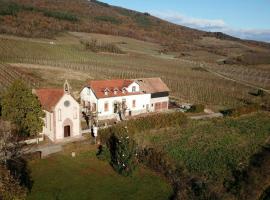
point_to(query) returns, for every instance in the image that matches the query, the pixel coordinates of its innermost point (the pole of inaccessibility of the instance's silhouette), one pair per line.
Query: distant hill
(46, 18)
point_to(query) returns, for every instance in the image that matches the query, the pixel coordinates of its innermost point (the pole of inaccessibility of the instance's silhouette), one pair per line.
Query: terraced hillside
(187, 80)
(8, 74)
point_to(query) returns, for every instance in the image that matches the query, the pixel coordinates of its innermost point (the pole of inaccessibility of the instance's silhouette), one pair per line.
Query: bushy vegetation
(10, 187)
(134, 126)
(108, 19)
(101, 3)
(12, 8)
(198, 108)
(96, 46)
(251, 180)
(213, 149)
(23, 109)
(241, 110)
(143, 20)
(61, 15)
(123, 151)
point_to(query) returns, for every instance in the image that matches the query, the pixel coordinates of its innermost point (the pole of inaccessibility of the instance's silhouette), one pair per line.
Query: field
(85, 177)
(186, 79)
(211, 149)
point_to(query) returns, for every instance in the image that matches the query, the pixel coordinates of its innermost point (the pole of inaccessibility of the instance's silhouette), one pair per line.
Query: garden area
(210, 157)
(62, 176)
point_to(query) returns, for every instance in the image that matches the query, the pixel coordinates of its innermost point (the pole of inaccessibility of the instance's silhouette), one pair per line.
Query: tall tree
(23, 109)
(123, 151)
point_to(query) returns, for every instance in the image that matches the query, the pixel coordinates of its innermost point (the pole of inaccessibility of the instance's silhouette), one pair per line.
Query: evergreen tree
(21, 107)
(123, 152)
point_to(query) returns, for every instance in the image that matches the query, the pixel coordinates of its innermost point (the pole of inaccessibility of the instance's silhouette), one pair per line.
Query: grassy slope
(186, 80)
(85, 177)
(211, 148)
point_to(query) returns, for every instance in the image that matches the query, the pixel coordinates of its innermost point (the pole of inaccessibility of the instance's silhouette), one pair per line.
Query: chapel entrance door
(67, 131)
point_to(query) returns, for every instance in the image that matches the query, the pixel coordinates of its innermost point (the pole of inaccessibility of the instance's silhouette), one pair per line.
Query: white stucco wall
(88, 95)
(141, 101)
(48, 128)
(134, 84)
(71, 112)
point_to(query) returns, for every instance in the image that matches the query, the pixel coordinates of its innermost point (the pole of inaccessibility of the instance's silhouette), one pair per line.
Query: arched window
(59, 115)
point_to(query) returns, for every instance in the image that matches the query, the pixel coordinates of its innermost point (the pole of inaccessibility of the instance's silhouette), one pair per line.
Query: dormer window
(115, 91)
(106, 92)
(124, 90)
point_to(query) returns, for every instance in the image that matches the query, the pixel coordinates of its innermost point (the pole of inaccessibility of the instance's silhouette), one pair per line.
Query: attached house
(124, 97)
(62, 118)
(159, 92)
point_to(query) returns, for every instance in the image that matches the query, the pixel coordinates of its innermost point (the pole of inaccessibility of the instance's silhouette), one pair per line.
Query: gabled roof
(49, 97)
(99, 86)
(152, 85)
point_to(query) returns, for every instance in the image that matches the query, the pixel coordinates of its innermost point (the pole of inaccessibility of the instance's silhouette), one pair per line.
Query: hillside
(48, 18)
(65, 57)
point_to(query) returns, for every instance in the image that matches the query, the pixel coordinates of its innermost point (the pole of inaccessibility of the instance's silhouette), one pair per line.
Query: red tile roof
(99, 87)
(49, 97)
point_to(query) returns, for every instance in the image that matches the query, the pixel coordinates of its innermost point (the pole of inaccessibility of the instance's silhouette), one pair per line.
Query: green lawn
(85, 177)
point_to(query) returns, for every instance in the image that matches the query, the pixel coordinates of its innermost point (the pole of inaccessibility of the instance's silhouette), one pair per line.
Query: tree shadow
(19, 169)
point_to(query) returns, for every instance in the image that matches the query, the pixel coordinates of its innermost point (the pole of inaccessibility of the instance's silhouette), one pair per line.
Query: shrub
(198, 108)
(10, 187)
(9, 8)
(108, 19)
(185, 187)
(101, 3)
(61, 15)
(145, 123)
(95, 46)
(103, 153)
(143, 20)
(243, 110)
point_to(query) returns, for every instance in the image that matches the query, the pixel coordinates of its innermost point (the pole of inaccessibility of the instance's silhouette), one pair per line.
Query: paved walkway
(51, 148)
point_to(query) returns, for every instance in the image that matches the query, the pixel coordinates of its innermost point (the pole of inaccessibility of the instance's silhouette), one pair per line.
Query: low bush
(11, 8)
(96, 46)
(197, 108)
(103, 153)
(243, 110)
(251, 181)
(185, 186)
(10, 187)
(7, 8)
(108, 19)
(61, 15)
(101, 3)
(143, 20)
(156, 121)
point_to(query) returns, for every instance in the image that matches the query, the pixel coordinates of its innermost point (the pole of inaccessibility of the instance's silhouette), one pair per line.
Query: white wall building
(62, 118)
(109, 98)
